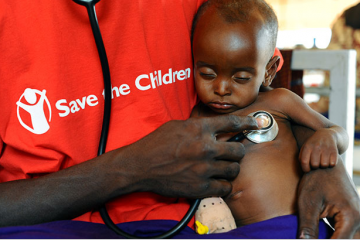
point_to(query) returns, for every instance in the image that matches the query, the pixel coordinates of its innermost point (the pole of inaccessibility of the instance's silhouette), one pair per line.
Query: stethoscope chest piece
(265, 134)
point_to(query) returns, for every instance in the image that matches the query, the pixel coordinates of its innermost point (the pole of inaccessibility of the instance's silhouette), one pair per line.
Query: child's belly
(266, 186)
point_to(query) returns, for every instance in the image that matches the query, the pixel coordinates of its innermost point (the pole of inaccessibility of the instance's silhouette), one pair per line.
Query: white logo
(32, 101)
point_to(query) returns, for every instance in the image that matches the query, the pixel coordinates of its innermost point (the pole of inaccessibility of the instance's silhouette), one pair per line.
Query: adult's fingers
(343, 222)
(213, 187)
(225, 170)
(231, 151)
(343, 228)
(335, 197)
(231, 123)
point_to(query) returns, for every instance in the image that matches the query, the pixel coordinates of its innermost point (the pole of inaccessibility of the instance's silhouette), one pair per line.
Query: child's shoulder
(279, 99)
(279, 94)
(281, 91)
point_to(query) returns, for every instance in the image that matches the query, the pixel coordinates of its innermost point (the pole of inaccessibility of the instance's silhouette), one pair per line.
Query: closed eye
(207, 75)
(242, 80)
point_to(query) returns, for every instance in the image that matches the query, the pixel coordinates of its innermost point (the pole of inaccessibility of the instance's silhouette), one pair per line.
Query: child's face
(230, 61)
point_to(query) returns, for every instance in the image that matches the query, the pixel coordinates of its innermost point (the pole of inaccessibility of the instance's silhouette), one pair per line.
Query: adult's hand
(327, 193)
(183, 158)
(179, 159)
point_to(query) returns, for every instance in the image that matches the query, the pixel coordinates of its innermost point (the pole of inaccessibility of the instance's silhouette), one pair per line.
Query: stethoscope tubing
(90, 6)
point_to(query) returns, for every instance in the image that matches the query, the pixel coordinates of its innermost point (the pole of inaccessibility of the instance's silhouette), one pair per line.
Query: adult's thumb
(308, 226)
(309, 213)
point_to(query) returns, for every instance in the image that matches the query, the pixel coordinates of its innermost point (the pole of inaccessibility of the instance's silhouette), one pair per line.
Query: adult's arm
(179, 159)
(327, 193)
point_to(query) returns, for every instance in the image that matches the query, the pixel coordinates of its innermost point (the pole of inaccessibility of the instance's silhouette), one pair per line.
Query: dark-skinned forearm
(179, 159)
(64, 194)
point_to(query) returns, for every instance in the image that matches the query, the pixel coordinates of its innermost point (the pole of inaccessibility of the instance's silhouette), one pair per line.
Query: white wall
(357, 159)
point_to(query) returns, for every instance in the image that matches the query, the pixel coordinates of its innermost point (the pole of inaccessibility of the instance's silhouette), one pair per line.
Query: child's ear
(271, 69)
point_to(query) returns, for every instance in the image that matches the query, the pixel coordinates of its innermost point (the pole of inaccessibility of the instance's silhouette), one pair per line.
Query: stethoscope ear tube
(90, 6)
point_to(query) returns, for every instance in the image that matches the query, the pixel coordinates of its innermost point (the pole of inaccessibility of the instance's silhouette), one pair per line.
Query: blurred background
(307, 22)
(322, 24)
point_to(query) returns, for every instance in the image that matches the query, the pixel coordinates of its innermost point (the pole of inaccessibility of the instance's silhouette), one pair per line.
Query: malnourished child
(233, 44)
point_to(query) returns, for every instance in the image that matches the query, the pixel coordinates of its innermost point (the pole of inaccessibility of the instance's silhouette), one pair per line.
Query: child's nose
(222, 87)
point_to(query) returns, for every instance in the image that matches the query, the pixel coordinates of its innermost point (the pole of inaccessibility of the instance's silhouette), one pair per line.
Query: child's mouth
(220, 105)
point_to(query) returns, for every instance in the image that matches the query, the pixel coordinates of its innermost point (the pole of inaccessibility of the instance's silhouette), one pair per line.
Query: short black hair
(233, 11)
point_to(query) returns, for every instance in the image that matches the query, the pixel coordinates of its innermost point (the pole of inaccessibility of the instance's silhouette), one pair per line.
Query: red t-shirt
(51, 87)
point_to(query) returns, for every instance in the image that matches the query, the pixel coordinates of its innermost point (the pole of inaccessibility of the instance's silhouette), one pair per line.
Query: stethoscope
(265, 134)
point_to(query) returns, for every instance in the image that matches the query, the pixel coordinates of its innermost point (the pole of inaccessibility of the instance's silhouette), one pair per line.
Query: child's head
(233, 44)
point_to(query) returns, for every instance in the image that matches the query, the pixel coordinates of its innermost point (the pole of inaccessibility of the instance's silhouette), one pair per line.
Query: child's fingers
(325, 159)
(329, 158)
(315, 159)
(304, 158)
(333, 159)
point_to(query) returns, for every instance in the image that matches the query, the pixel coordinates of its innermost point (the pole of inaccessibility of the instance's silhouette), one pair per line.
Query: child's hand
(320, 150)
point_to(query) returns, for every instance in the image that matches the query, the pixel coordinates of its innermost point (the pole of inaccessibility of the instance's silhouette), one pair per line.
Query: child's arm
(321, 149)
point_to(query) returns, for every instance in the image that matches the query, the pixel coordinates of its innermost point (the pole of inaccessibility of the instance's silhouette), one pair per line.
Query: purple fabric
(276, 228)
